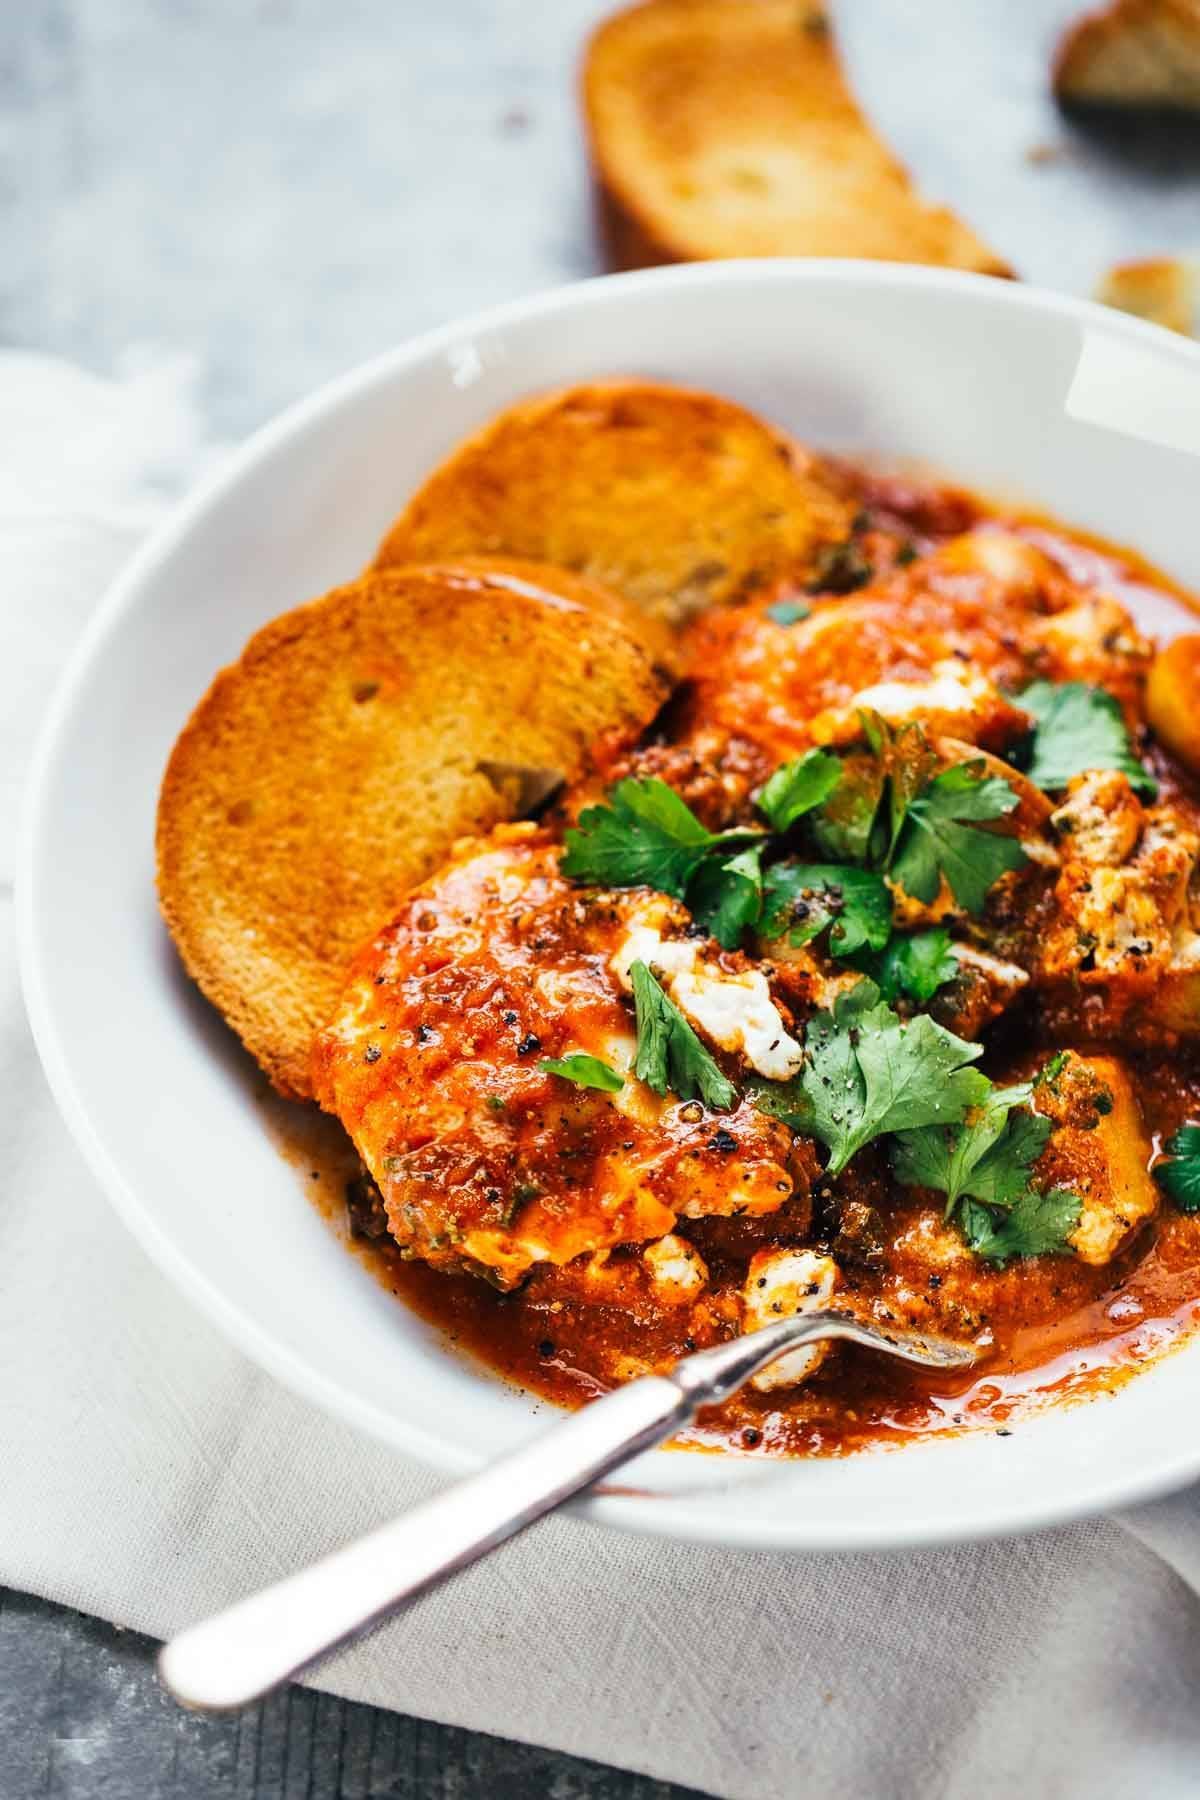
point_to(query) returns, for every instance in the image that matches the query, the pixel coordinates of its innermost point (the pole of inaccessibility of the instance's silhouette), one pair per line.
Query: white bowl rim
(647, 1514)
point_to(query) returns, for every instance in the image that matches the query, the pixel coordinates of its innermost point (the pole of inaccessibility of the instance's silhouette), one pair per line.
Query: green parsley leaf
(987, 1158)
(669, 1054)
(866, 1072)
(645, 837)
(726, 897)
(937, 838)
(1051, 1071)
(1180, 1178)
(839, 569)
(843, 826)
(784, 1100)
(1036, 1225)
(584, 1071)
(804, 899)
(908, 763)
(1079, 728)
(788, 612)
(796, 787)
(916, 965)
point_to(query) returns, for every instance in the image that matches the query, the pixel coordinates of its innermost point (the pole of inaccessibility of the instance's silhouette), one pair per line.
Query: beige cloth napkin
(149, 1474)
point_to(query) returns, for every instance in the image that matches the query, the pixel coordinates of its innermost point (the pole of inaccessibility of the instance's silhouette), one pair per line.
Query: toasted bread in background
(1132, 53)
(676, 499)
(333, 765)
(1165, 290)
(726, 128)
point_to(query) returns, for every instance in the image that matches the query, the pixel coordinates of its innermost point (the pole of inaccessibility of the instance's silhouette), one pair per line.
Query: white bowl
(1076, 409)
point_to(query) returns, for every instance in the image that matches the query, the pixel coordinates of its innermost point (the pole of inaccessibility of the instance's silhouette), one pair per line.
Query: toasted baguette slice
(1164, 289)
(677, 499)
(726, 128)
(1133, 53)
(335, 763)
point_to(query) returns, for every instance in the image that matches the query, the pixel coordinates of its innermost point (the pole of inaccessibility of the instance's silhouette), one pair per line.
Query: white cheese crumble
(738, 1013)
(673, 956)
(735, 1011)
(779, 1284)
(676, 1268)
(950, 690)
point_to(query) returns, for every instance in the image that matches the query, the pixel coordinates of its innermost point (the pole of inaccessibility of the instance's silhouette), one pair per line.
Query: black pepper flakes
(723, 1141)
(529, 1044)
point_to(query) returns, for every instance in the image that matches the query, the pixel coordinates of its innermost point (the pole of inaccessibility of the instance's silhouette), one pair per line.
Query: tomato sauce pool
(1059, 1330)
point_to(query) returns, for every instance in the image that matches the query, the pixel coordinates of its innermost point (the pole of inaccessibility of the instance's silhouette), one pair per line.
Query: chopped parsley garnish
(893, 811)
(907, 765)
(915, 966)
(645, 837)
(584, 1071)
(937, 838)
(1035, 1225)
(983, 1167)
(788, 612)
(1079, 728)
(670, 1057)
(839, 569)
(887, 808)
(726, 897)
(867, 1072)
(987, 1158)
(844, 826)
(1180, 1177)
(796, 787)
(1049, 1074)
(805, 899)
(648, 836)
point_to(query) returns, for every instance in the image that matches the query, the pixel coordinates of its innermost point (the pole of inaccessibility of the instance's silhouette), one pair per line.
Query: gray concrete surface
(81, 1718)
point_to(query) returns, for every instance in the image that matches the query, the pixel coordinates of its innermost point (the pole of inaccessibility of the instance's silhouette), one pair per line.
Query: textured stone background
(281, 188)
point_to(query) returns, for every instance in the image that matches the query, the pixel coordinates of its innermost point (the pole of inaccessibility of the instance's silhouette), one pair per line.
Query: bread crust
(726, 128)
(1163, 289)
(676, 498)
(354, 741)
(1135, 53)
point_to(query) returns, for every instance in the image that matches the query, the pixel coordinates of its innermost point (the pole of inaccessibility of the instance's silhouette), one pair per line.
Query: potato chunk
(1100, 1150)
(1173, 698)
(1095, 641)
(1125, 936)
(1101, 817)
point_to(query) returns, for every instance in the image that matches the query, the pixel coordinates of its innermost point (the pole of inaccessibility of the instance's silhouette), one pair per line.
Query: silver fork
(258, 1642)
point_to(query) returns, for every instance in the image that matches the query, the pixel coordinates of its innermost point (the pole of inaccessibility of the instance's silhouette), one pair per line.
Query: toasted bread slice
(726, 128)
(356, 738)
(1132, 53)
(677, 499)
(1163, 289)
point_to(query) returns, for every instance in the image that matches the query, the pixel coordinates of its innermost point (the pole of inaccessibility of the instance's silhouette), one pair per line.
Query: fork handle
(258, 1642)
